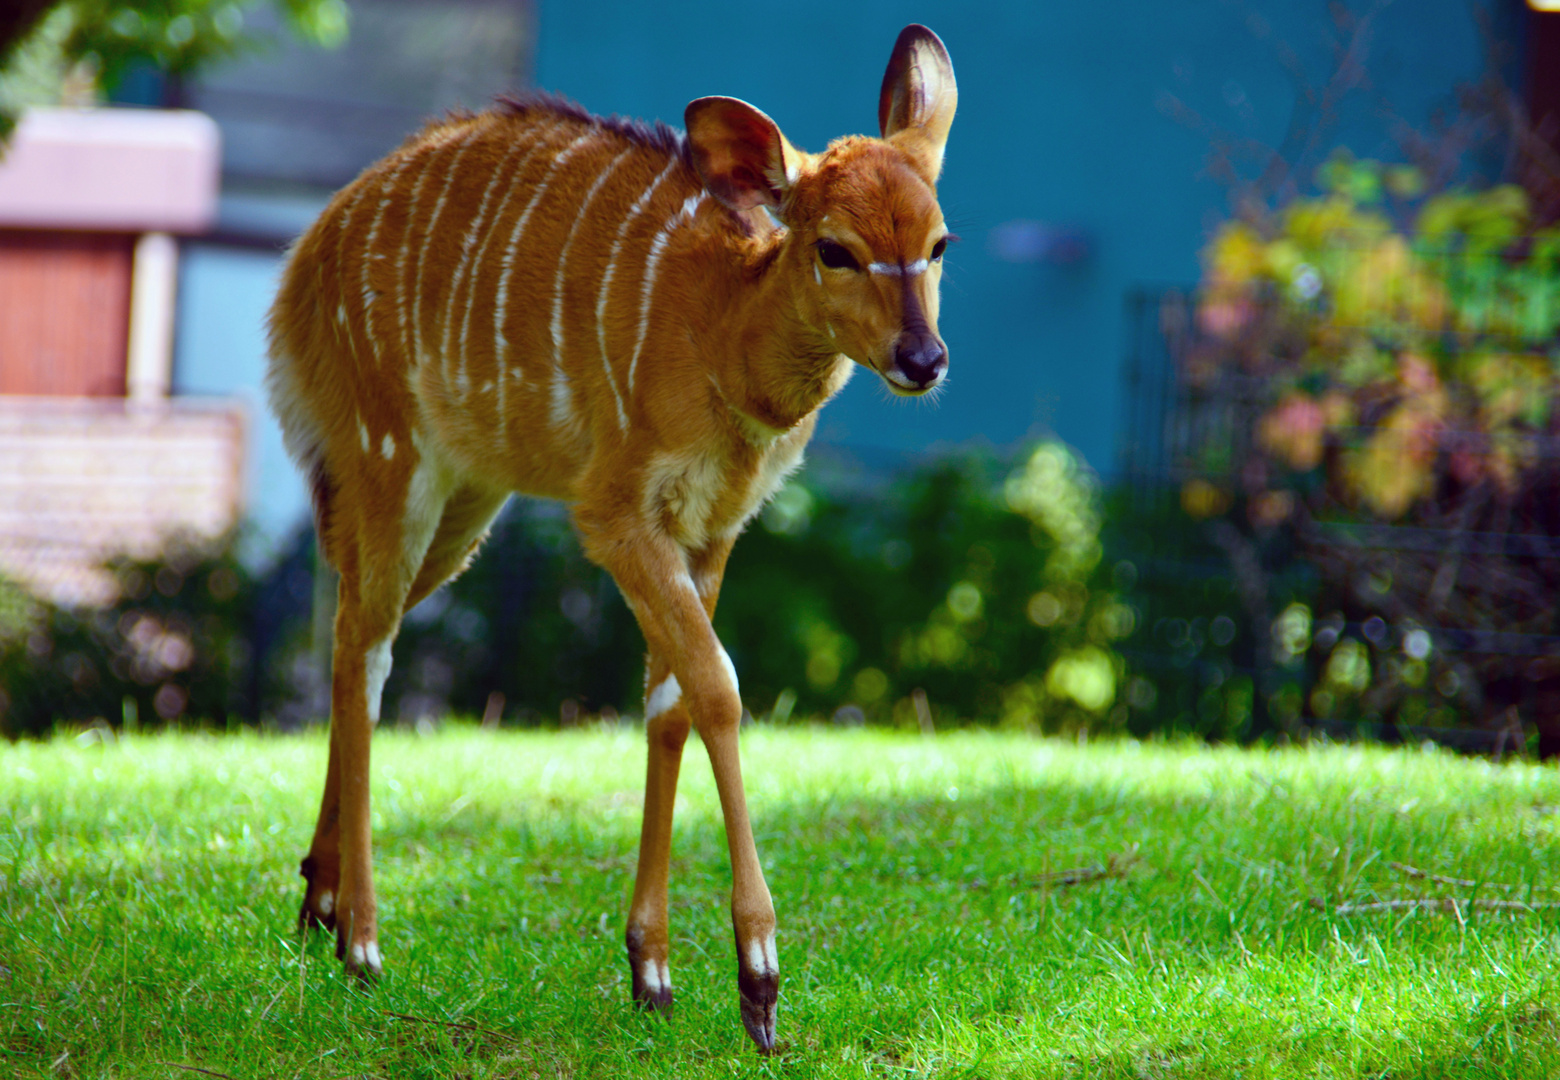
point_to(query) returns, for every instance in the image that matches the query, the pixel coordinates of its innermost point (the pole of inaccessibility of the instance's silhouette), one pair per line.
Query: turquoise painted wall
(1059, 122)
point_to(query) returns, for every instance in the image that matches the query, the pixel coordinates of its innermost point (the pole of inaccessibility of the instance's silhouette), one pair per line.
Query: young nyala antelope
(641, 323)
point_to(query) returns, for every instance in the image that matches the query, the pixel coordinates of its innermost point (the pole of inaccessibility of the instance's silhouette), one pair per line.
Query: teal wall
(1059, 121)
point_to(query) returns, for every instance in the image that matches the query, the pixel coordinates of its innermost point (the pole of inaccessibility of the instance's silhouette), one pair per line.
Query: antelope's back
(484, 289)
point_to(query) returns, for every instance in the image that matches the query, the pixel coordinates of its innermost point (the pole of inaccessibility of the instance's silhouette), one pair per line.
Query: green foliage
(966, 591)
(982, 591)
(531, 620)
(172, 646)
(182, 36)
(97, 43)
(977, 904)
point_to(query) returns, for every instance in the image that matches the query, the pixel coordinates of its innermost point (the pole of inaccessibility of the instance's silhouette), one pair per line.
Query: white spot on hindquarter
(562, 406)
(686, 212)
(341, 314)
(363, 434)
(387, 448)
(663, 697)
(327, 902)
(606, 281)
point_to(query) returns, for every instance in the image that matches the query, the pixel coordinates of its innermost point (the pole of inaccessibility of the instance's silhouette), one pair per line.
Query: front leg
(666, 726)
(654, 576)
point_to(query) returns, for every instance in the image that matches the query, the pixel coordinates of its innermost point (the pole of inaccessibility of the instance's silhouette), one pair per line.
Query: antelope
(639, 322)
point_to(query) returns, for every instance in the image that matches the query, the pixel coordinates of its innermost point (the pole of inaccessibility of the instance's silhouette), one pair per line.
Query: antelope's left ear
(740, 154)
(919, 97)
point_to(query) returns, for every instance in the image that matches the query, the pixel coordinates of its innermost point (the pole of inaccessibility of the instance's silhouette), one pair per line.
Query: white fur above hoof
(363, 959)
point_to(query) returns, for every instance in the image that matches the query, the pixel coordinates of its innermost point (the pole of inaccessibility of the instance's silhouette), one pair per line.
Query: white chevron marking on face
(895, 270)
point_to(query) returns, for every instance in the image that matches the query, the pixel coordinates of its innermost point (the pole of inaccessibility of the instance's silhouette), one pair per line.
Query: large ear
(740, 154)
(919, 95)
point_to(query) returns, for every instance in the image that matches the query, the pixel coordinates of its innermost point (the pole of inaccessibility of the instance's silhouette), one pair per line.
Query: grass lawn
(938, 911)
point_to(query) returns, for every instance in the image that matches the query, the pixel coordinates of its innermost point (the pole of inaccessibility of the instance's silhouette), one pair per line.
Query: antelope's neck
(771, 369)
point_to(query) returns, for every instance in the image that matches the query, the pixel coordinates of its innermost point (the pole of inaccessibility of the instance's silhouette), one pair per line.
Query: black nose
(921, 359)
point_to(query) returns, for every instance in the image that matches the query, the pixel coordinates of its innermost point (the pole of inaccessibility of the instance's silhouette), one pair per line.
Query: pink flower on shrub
(1293, 431)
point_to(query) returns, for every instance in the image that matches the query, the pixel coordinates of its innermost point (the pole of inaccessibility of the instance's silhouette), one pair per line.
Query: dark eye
(836, 256)
(938, 249)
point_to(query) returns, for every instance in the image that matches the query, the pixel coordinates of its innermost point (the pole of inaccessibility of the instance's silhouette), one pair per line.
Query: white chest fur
(699, 496)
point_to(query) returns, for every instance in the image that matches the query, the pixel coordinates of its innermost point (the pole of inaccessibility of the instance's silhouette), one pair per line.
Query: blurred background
(1249, 432)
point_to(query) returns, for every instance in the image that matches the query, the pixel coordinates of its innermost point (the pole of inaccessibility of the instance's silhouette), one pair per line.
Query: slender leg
(666, 722)
(358, 676)
(654, 575)
(321, 868)
(752, 910)
(666, 728)
(379, 569)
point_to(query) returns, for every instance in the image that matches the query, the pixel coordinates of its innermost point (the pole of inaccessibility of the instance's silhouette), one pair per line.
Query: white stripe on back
(501, 301)
(404, 255)
(686, 212)
(467, 243)
(368, 253)
(606, 281)
(560, 403)
(341, 247)
(422, 255)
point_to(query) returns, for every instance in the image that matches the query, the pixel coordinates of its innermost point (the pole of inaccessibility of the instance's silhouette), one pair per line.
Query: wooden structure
(95, 457)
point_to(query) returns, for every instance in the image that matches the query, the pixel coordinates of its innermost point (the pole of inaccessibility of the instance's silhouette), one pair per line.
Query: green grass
(148, 889)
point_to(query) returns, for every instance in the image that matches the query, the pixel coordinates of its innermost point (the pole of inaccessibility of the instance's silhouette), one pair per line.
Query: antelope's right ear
(740, 154)
(919, 96)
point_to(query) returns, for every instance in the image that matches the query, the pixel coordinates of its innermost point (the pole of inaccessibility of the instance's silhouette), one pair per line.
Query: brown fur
(535, 300)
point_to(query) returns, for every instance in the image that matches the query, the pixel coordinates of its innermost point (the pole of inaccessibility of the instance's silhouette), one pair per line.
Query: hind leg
(378, 538)
(439, 532)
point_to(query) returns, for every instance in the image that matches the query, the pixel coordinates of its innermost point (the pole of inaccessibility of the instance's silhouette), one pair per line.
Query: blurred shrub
(967, 590)
(175, 646)
(981, 587)
(1405, 343)
(1376, 376)
(76, 51)
(532, 631)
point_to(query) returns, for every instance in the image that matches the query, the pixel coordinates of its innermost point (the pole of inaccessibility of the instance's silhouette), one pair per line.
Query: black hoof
(759, 994)
(310, 915)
